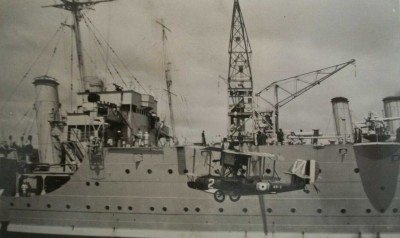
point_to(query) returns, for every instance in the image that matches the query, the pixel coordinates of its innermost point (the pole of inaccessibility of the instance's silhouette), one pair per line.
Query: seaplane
(250, 173)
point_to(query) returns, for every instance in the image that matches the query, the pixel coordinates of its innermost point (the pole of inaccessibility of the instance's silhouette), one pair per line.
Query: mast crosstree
(76, 7)
(240, 81)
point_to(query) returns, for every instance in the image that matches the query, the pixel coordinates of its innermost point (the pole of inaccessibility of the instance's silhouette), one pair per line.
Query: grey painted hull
(143, 193)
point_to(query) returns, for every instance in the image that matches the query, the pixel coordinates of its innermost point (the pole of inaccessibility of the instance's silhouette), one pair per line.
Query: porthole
(382, 210)
(268, 171)
(87, 183)
(130, 208)
(164, 209)
(97, 183)
(149, 171)
(151, 208)
(319, 210)
(368, 210)
(48, 205)
(186, 209)
(382, 188)
(28, 205)
(107, 207)
(11, 204)
(185, 171)
(88, 207)
(127, 171)
(244, 210)
(269, 210)
(197, 209)
(68, 206)
(221, 210)
(170, 171)
(293, 210)
(395, 210)
(119, 208)
(343, 211)
(356, 170)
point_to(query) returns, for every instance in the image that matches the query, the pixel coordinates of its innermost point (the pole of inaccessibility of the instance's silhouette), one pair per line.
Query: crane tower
(240, 82)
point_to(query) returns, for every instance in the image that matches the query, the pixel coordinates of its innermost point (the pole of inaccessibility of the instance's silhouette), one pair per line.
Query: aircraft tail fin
(305, 169)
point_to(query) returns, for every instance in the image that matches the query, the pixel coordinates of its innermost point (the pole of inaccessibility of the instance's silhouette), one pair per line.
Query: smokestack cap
(393, 98)
(45, 80)
(339, 99)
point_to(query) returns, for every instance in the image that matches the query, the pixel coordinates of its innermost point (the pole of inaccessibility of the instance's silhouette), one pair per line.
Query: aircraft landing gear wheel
(219, 196)
(234, 197)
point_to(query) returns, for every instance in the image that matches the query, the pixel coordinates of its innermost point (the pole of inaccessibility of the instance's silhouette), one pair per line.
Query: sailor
(225, 144)
(203, 138)
(146, 139)
(240, 139)
(28, 149)
(110, 142)
(4, 148)
(140, 137)
(301, 138)
(280, 136)
(119, 138)
(397, 135)
(268, 120)
(24, 189)
(259, 138)
(133, 141)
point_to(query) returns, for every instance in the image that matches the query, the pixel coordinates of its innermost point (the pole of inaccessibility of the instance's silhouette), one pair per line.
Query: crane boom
(301, 85)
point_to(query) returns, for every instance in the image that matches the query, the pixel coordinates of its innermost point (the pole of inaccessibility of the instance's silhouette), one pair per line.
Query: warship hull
(138, 192)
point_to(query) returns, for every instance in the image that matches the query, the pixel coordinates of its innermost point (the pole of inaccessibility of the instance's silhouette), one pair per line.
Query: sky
(287, 38)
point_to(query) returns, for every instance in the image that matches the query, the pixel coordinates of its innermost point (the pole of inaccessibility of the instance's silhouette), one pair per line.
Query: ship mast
(167, 73)
(76, 7)
(240, 81)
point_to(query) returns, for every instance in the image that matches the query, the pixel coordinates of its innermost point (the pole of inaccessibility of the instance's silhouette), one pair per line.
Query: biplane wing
(206, 148)
(212, 148)
(260, 154)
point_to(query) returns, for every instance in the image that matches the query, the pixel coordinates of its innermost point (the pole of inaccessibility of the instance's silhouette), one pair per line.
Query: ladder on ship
(73, 155)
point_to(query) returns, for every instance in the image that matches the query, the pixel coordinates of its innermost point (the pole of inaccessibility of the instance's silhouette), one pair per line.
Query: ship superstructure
(96, 179)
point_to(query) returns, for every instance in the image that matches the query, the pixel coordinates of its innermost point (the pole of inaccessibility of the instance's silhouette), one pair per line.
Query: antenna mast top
(75, 7)
(167, 71)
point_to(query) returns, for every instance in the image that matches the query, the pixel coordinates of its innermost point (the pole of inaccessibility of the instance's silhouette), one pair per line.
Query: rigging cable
(100, 48)
(29, 125)
(328, 126)
(27, 114)
(55, 48)
(113, 51)
(28, 71)
(108, 35)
